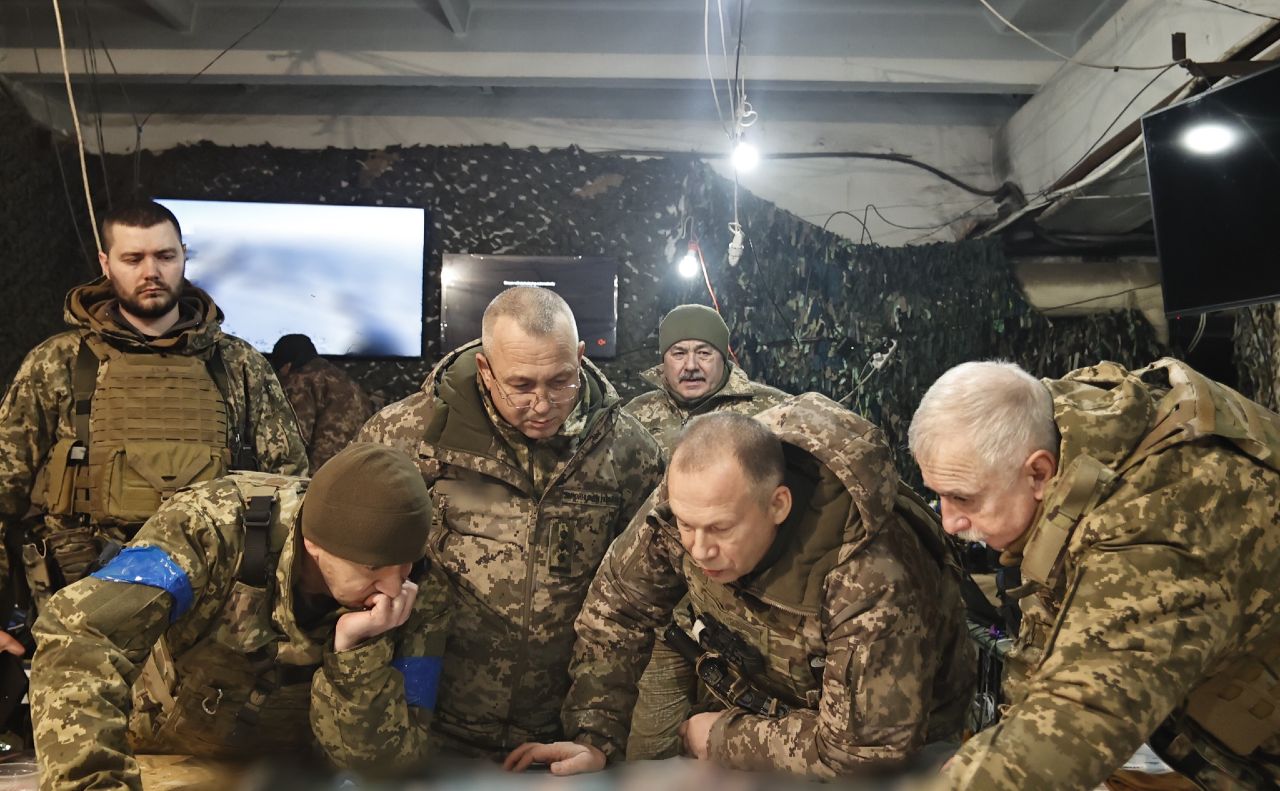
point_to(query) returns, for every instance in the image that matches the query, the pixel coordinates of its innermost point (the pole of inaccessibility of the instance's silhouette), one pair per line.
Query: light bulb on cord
(745, 157)
(688, 266)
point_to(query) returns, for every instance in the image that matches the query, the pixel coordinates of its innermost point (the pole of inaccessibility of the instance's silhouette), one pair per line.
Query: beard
(152, 308)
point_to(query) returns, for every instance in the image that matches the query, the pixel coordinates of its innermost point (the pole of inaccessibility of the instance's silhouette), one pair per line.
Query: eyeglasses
(556, 396)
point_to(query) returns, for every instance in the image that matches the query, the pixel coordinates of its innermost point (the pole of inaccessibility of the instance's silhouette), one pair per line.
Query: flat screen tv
(1213, 164)
(350, 277)
(589, 285)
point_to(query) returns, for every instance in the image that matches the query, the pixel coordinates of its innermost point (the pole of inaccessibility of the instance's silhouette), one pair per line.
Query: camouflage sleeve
(29, 416)
(876, 683)
(94, 636)
(303, 401)
(272, 424)
(371, 706)
(633, 593)
(643, 470)
(1141, 625)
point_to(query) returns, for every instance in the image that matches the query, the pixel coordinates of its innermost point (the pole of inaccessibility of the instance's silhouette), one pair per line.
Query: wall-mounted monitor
(350, 277)
(590, 285)
(1213, 163)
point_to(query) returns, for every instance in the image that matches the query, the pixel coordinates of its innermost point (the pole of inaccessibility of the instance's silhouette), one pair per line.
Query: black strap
(257, 540)
(243, 454)
(84, 381)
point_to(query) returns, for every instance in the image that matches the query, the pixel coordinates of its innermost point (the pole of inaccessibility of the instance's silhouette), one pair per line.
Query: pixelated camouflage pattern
(330, 407)
(519, 560)
(359, 713)
(664, 414)
(861, 593)
(36, 412)
(95, 636)
(1166, 580)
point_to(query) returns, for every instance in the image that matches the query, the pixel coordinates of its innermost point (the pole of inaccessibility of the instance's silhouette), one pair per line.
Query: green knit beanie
(368, 504)
(693, 322)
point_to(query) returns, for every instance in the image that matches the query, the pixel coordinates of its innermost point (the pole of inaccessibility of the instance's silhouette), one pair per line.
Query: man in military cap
(534, 469)
(1143, 509)
(143, 396)
(331, 407)
(828, 619)
(696, 376)
(225, 605)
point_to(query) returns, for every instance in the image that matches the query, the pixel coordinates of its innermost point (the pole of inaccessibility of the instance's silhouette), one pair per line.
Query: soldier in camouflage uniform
(1143, 508)
(534, 469)
(239, 614)
(330, 406)
(695, 376)
(794, 531)
(145, 395)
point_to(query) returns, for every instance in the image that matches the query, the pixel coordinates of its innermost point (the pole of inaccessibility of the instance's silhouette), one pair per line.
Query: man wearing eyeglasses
(534, 469)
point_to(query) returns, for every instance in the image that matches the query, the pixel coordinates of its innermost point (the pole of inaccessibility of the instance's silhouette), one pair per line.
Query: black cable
(1089, 151)
(53, 142)
(887, 221)
(865, 230)
(90, 57)
(1094, 299)
(899, 158)
(1243, 10)
(216, 58)
(755, 261)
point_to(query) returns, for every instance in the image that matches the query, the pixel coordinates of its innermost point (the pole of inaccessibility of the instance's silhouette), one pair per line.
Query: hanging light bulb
(745, 157)
(688, 266)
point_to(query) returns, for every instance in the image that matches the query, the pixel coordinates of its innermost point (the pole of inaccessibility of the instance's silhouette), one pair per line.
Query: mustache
(692, 376)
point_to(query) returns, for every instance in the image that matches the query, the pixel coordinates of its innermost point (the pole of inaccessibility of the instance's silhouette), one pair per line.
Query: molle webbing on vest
(158, 423)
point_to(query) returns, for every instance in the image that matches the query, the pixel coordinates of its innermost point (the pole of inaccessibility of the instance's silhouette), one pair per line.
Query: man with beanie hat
(695, 377)
(331, 407)
(245, 609)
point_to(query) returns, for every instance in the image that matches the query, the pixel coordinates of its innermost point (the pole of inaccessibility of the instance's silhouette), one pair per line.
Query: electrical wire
(1089, 151)
(1067, 58)
(856, 219)
(75, 122)
(1195, 340)
(714, 301)
(1243, 10)
(706, 49)
(1094, 299)
(57, 155)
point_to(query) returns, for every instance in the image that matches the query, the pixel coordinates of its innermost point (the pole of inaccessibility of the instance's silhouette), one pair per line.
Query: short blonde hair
(1004, 412)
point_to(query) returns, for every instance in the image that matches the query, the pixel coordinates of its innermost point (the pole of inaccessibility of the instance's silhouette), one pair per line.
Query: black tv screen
(350, 277)
(1213, 164)
(590, 285)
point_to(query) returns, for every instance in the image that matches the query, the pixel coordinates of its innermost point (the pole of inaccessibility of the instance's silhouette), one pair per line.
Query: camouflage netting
(808, 309)
(1257, 353)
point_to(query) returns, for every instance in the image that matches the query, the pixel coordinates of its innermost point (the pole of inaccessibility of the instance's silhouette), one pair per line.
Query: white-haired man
(1143, 508)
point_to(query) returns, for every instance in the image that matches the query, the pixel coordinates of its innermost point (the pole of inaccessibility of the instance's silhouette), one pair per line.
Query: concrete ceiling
(828, 61)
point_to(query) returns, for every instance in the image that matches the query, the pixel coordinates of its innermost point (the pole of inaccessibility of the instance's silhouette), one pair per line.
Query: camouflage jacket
(330, 407)
(664, 415)
(519, 561)
(167, 649)
(1154, 562)
(865, 586)
(36, 413)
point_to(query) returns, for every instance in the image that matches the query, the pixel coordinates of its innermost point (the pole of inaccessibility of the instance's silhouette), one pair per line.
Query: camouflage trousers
(666, 691)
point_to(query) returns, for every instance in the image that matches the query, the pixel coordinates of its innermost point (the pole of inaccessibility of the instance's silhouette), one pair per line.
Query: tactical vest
(230, 686)
(1240, 706)
(153, 424)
